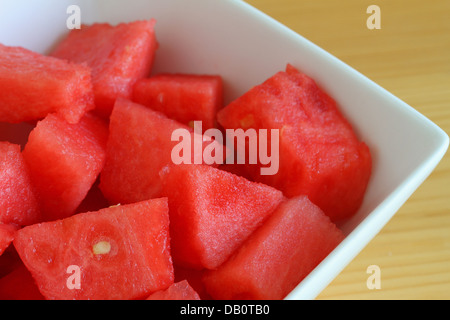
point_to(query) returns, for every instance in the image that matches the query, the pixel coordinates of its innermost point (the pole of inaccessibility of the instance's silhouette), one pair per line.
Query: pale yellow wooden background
(410, 57)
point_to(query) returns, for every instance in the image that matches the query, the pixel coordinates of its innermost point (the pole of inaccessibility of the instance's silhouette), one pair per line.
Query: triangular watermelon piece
(212, 212)
(320, 154)
(139, 146)
(121, 252)
(64, 161)
(18, 203)
(277, 256)
(119, 55)
(34, 85)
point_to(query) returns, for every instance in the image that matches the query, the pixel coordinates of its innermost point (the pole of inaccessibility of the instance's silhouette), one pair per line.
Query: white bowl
(246, 47)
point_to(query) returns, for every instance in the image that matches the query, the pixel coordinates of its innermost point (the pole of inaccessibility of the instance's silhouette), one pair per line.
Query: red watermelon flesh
(118, 55)
(182, 97)
(177, 291)
(319, 155)
(19, 285)
(139, 146)
(18, 203)
(122, 252)
(34, 85)
(277, 256)
(64, 161)
(7, 232)
(212, 212)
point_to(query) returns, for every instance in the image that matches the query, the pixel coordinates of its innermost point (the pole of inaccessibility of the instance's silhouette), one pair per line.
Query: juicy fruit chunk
(34, 85)
(212, 212)
(64, 161)
(136, 263)
(18, 203)
(182, 97)
(139, 147)
(178, 291)
(320, 154)
(289, 245)
(118, 55)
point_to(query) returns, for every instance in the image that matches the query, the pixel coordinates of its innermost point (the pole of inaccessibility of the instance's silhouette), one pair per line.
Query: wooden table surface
(410, 57)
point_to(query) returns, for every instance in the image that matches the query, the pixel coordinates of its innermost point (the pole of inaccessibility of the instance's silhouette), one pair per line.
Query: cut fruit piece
(118, 55)
(277, 256)
(319, 153)
(34, 85)
(178, 291)
(121, 252)
(18, 203)
(64, 161)
(212, 212)
(182, 97)
(139, 146)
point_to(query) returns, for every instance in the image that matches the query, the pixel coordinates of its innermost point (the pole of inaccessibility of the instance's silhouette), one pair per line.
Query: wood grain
(410, 57)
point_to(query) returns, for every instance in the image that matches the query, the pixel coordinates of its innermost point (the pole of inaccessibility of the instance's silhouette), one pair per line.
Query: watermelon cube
(19, 285)
(183, 97)
(139, 146)
(118, 55)
(18, 202)
(212, 212)
(177, 291)
(277, 256)
(64, 161)
(34, 85)
(320, 155)
(120, 252)
(7, 232)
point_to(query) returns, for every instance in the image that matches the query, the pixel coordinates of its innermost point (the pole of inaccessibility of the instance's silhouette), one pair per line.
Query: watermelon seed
(102, 247)
(161, 98)
(247, 121)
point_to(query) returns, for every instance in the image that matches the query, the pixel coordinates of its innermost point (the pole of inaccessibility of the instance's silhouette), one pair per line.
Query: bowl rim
(366, 229)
